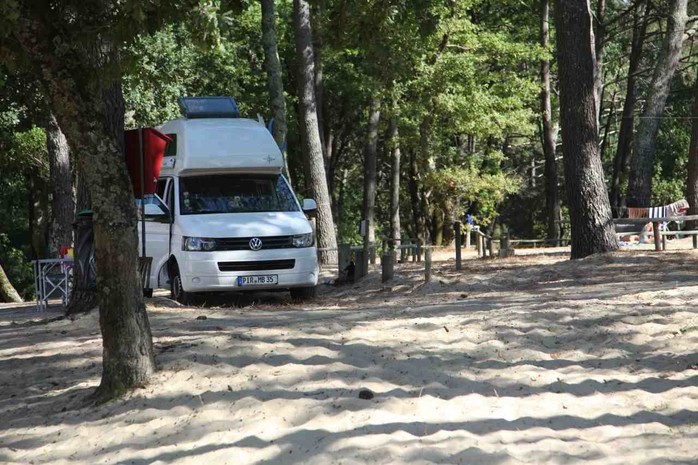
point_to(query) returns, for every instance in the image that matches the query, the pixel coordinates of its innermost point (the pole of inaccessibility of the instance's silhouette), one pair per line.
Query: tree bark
(38, 214)
(640, 183)
(692, 185)
(590, 211)
(625, 133)
(61, 180)
(370, 161)
(310, 134)
(275, 84)
(7, 290)
(394, 138)
(415, 200)
(83, 83)
(552, 198)
(600, 52)
(83, 297)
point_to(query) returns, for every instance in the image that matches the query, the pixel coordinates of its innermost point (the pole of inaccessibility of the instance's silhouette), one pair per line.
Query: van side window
(171, 147)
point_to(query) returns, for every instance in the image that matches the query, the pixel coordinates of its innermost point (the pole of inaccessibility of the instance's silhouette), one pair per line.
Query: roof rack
(209, 107)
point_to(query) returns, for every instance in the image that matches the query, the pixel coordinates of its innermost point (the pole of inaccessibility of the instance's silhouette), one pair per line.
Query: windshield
(235, 193)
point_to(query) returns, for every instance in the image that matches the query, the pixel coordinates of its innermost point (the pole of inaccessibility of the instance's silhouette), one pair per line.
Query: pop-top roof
(209, 107)
(222, 143)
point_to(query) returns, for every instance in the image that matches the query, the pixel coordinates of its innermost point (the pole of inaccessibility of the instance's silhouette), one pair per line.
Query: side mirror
(309, 207)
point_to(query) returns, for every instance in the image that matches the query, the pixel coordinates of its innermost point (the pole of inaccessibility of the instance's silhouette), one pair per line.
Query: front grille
(243, 243)
(258, 265)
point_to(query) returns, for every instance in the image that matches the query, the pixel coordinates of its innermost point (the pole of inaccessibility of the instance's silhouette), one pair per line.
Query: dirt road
(527, 360)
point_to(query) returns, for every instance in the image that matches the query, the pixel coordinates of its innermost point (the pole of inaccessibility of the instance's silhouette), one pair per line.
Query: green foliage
(18, 268)
(456, 189)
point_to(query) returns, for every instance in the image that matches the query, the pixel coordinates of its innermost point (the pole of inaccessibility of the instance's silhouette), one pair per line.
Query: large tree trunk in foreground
(640, 183)
(275, 85)
(394, 138)
(625, 134)
(552, 199)
(62, 201)
(370, 160)
(599, 53)
(83, 297)
(310, 134)
(7, 291)
(84, 86)
(692, 187)
(590, 211)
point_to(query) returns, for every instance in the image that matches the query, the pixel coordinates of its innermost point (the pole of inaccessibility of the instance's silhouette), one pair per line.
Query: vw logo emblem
(255, 243)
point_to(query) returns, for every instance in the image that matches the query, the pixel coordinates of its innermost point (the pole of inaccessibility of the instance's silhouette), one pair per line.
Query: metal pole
(142, 156)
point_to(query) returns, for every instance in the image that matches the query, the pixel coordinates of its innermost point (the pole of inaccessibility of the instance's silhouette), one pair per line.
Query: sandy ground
(534, 359)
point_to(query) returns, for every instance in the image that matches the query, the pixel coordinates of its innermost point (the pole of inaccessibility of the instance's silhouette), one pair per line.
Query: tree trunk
(370, 160)
(394, 138)
(590, 211)
(310, 135)
(640, 183)
(84, 88)
(425, 161)
(275, 85)
(600, 37)
(552, 198)
(625, 133)
(415, 200)
(38, 214)
(692, 187)
(7, 290)
(83, 297)
(62, 201)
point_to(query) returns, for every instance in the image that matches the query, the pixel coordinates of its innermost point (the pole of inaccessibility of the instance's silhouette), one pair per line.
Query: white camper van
(224, 217)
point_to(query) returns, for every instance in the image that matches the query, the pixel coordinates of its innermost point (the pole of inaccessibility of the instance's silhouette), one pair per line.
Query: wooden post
(456, 226)
(366, 251)
(468, 230)
(663, 241)
(490, 247)
(344, 260)
(427, 264)
(695, 241)
(657, 239)
(387, 266)
(478, 239)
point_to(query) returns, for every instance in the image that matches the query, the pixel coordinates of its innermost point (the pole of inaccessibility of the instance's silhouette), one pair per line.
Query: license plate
(258, 280)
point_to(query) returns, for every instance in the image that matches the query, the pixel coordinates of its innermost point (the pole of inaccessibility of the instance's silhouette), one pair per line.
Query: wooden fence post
(478, 239)
(387, 264)
(427, 264)
(657, 239)
(456, 226)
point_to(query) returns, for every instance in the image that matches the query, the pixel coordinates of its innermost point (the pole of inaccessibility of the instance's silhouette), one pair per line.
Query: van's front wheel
(303, 294)
(177, 291)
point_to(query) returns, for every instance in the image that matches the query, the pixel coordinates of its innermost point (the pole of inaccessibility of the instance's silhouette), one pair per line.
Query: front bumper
(200, 272)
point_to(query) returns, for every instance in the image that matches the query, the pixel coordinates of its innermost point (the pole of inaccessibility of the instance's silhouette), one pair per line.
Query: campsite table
(52, 279)
(655, 225)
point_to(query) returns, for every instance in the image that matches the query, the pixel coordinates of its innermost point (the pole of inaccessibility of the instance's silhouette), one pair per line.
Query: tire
(303, 294)
(177, 292)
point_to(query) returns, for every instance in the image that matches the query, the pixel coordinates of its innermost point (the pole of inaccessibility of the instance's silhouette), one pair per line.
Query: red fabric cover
(154, 143)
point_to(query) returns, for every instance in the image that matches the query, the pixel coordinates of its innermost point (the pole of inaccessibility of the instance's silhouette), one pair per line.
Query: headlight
(303, 240)
(198, 244)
